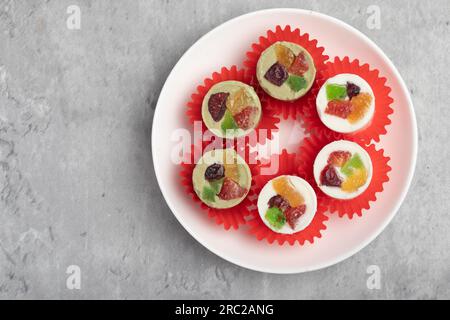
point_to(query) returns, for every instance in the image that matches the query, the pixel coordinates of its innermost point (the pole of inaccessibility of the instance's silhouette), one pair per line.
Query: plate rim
(376, 232)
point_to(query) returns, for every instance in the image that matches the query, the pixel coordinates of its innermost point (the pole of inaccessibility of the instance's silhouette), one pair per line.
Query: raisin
(214, 172)
(293, 214)
(278, 202)
(339, 108)
(352, 90)
(217, 105)
(277, 74)
(329, 177)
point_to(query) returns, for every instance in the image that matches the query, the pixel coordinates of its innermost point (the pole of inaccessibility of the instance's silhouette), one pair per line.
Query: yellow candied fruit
(285, 56)
(357, 179)
(239, 101)
(284, 188)
(230, 165)
(360, 106)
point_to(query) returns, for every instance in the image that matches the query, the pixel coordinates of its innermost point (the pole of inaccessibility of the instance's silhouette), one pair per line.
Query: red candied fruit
(246, 118)
(217, 105)
(293, 214)
(339, 158)
(231, 190)
(299, 66)
(329, 177)
(339, 108)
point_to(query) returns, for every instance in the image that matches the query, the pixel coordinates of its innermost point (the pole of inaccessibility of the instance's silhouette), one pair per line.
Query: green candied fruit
(228, 122)
(355, 162)
(296, 83)
(208, 194)
(216, 185)
(336, 92)
(275, 217)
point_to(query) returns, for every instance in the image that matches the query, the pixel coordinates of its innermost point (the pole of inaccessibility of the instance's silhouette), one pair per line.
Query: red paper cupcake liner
(287, 164)
(380, 121)
(228, 218)
(309, 149)
(285, 108)
(194, 107)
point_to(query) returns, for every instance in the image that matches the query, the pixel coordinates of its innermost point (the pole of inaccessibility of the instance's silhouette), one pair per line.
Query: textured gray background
(77, 184)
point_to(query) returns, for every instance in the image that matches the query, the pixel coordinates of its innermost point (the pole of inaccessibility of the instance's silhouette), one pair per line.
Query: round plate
(225, 46)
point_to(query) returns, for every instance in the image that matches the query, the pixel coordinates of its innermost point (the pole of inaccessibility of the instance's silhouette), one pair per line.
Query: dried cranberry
(217, 105)
(231, 190)
(329, 177)
(352, 90)
(339, 108)
(214, 172)
(277, 74)
(293, 214)
(278, 202)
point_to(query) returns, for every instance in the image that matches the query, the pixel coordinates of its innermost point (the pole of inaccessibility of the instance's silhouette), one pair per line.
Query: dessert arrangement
(343, 106)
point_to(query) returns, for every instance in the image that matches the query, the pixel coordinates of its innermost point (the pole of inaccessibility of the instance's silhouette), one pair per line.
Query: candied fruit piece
(246, 118)
(231, 190)
(296, 83)
(238, 101)
(355, 181)
(361, 104)
(285, 56)
(329, 177)
(277, 74)
(339, 108)
(228, 122)
(352, 90)
(275, 217)
(214, 172)
(232, 171)
(208, 194)
(299, 66)
(293, 214)
(336, 92)
(354, 163)
(339, 158)
(217, 105)
(284, 188)
(278, 202)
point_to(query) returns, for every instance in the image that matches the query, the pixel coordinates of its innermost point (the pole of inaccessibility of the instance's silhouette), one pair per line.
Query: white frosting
(338, 124)
(305, 190)
(322, 160)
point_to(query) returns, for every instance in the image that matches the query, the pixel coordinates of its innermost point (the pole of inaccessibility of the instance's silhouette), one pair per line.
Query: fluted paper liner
(288, 165)
(285, 109)
(194, 107)
(309, 149)
(383, 110)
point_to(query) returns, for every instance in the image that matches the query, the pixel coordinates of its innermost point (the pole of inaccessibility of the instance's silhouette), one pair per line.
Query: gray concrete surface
(77, 185)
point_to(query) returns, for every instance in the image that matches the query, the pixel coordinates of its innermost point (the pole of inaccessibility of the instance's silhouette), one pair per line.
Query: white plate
(226, 45)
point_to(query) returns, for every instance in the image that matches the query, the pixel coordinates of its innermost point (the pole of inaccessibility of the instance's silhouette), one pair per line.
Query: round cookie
(285, 71)
(287, 204)
(221, 178)
(346, 103)
(343, 169)
(231, 109)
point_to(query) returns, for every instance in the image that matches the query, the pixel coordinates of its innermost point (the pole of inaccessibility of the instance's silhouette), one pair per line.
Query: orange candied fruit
(355, 181)
(360, 104)
(284, 188)
(239, 101)
(285, 56)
